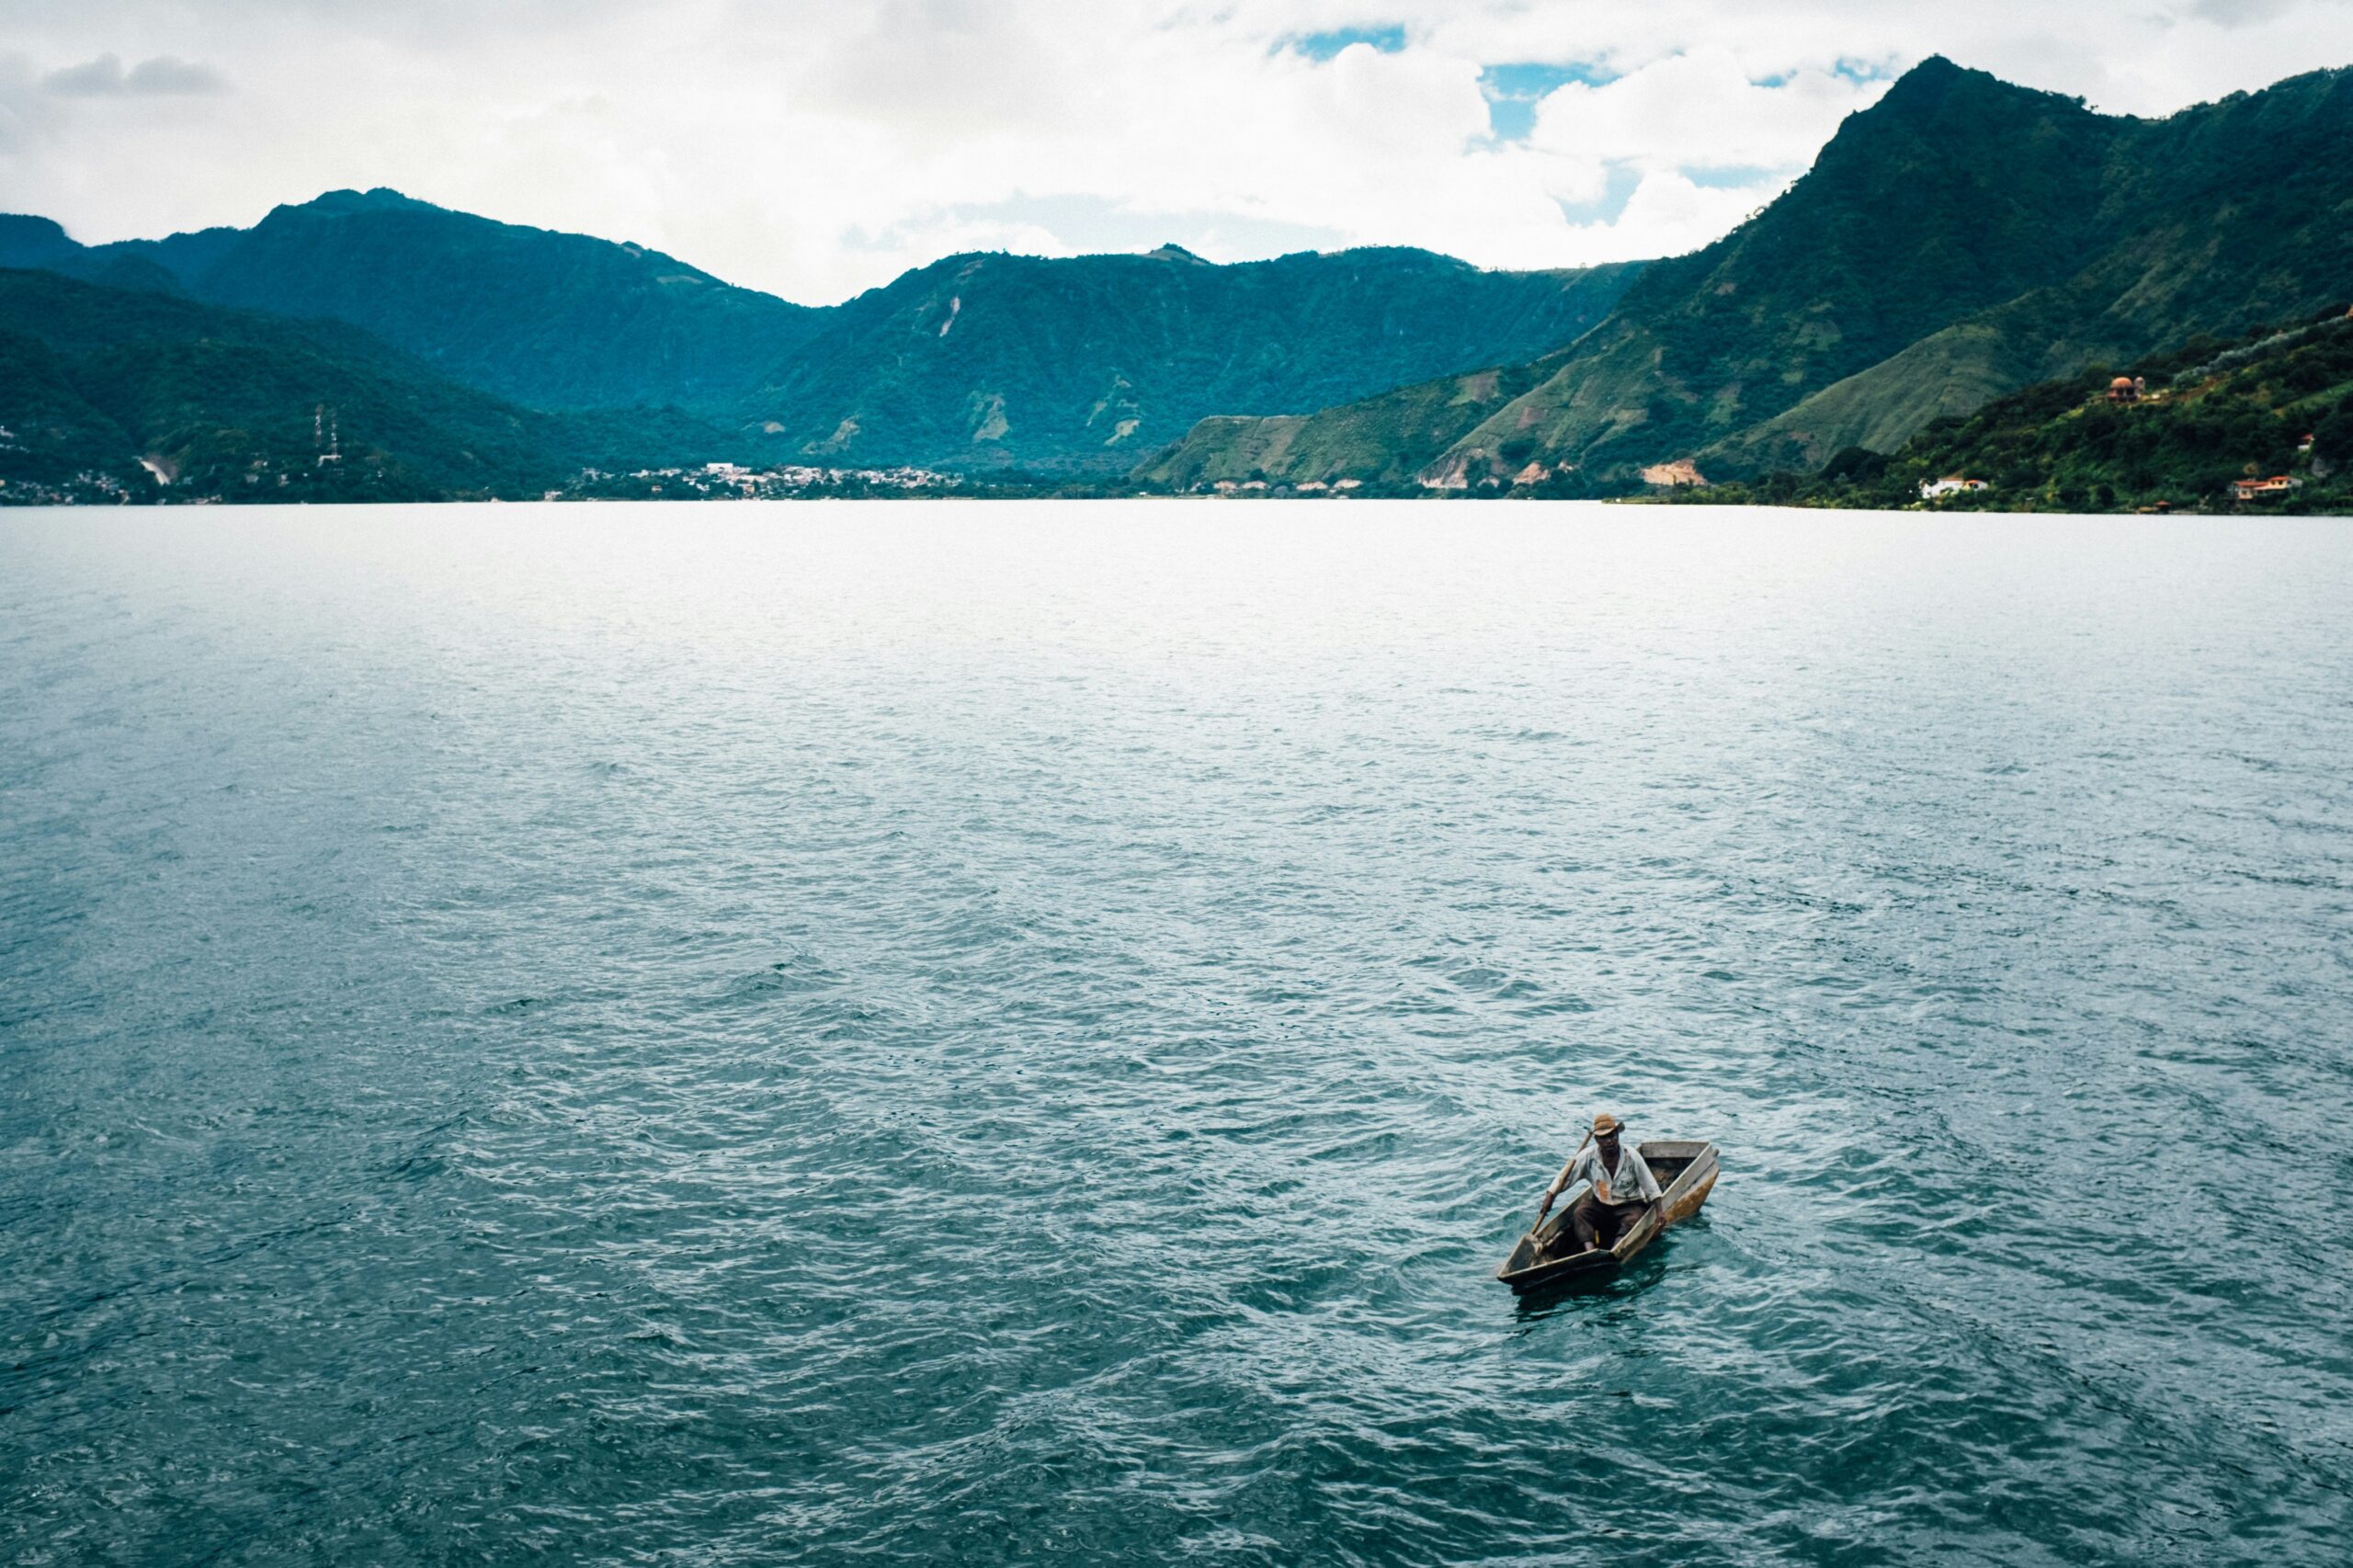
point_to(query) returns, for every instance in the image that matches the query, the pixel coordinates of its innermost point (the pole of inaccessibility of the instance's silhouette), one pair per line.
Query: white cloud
(163, 76)
(29, 117)
(1676, 215)
(1700, 110)
(817, 148)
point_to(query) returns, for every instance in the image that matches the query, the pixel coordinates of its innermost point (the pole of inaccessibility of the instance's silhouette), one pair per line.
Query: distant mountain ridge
(547, 320)
(1091, 363)
(1961, 238)
(148, 394)
(977, 361)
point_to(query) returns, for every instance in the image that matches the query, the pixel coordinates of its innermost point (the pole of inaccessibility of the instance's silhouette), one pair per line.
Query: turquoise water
(734, 1035)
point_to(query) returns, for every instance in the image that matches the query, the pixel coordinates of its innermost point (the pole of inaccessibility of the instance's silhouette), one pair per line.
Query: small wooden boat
(1685, 1171)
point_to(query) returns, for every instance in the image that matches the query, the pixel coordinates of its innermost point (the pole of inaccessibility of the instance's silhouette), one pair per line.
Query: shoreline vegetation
(1981, 298)
(2265, 424)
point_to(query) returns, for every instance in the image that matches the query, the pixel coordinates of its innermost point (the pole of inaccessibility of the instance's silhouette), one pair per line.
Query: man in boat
(1623, 1186)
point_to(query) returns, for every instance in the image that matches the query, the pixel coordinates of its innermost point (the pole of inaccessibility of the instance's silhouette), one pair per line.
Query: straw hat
(1604, 1125)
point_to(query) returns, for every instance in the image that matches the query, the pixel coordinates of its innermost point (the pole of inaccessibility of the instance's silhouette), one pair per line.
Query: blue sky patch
(1622, 179)
(1513, 90)
(1324, 46)
(1729, 176)
(1860, 73)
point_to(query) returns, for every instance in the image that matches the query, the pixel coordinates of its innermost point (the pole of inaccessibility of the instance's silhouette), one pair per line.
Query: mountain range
(977, 361)
(1096, 363)
(1961, 240)
(552, 321)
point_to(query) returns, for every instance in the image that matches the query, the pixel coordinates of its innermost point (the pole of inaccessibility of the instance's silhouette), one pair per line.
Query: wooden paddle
(1537, 1248)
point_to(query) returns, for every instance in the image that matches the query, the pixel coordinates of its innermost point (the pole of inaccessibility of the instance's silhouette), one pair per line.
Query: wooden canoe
(1685, 1171)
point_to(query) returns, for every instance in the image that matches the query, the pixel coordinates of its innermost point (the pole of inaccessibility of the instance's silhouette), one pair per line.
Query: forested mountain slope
(2222, 217)
(989, 360)
(2213, 416)
(1377, 441)
(1089, 363)
(238, 405)
(1961, 238)
(549, 320)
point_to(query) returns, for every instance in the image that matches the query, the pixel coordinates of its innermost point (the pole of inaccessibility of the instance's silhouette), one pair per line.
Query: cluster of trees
(2065, 446)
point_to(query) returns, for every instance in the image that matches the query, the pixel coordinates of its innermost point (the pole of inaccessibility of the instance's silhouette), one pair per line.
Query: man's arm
(1561, 1183)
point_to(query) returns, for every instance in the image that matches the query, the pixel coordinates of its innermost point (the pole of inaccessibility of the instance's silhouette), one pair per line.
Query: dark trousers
(1600, 1224)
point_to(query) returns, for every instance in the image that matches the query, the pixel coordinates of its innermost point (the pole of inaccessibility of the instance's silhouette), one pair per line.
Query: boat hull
(1536, 1262)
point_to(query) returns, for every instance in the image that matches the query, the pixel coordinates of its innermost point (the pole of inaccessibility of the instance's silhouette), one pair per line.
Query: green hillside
(1382, 442)
(54, 443)
(1954, 192)
(236, 405)
(979, 361)
(1947, 374)
(2212, 220)
(1960, 239)
(985, 361)
(544, 319)
(2213, 413)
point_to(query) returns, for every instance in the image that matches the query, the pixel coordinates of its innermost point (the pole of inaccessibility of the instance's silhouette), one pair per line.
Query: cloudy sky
(817, 147)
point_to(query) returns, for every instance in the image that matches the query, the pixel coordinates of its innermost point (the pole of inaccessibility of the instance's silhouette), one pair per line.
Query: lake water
(999, 1034)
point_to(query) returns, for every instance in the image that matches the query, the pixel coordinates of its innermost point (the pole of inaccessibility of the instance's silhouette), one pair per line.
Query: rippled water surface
(826, 1034)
